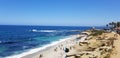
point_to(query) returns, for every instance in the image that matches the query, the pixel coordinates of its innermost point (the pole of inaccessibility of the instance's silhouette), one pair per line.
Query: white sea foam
(40, 48)
(35, 30)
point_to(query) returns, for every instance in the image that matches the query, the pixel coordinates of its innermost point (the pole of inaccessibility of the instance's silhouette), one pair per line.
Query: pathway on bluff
(116, 50)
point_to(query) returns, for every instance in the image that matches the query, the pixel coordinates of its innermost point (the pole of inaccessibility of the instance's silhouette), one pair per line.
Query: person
(66, 50)
(40, 56)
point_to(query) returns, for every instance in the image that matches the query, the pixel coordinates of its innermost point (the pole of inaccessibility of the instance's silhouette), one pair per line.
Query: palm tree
(111, 25)
(118, 24)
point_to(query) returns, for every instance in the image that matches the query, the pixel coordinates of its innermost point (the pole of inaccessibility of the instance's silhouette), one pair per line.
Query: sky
(59, 12)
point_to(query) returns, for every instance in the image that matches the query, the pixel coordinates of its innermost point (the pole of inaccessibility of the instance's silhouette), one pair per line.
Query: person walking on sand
(66, 50)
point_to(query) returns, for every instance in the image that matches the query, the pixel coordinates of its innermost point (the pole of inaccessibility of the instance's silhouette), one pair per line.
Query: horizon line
(53, 25)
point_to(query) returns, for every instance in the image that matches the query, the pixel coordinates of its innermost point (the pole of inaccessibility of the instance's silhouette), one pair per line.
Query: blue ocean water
(16, 39)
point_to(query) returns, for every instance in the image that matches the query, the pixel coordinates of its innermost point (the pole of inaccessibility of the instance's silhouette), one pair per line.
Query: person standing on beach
(66, 50)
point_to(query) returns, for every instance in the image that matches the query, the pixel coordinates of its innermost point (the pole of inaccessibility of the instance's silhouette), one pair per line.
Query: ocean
(16, 39)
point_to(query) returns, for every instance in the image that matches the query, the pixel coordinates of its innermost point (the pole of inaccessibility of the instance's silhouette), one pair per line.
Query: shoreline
(87, 44)
(43, 48)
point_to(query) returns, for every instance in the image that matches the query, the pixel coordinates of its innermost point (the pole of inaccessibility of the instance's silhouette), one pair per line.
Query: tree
(118, 24)
(113, 25)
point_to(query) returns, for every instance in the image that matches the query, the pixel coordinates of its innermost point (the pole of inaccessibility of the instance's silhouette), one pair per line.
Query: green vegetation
(97, 32)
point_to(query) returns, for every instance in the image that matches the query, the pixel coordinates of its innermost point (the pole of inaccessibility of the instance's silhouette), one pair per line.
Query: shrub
(97, 32)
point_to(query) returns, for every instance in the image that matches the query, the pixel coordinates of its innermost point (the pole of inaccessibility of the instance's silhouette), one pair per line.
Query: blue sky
(59, 12)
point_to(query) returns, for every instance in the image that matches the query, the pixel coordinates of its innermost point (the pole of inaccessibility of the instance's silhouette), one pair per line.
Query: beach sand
(56, 51)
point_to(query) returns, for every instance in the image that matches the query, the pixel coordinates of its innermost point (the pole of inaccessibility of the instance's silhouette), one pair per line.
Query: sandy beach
(53, 50)
(57, 51)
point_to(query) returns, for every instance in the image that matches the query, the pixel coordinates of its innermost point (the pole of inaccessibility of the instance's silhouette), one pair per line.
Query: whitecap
(35, 30)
